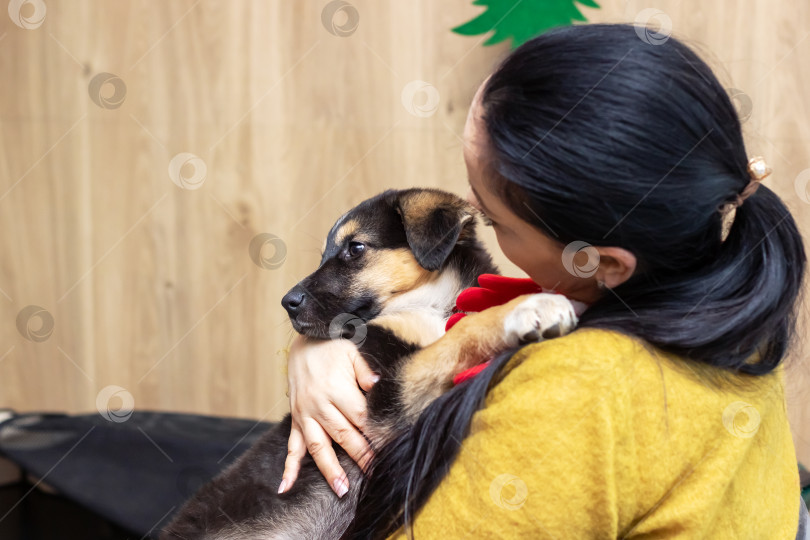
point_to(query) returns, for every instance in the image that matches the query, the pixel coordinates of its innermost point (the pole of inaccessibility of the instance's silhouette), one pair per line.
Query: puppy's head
(381, 249)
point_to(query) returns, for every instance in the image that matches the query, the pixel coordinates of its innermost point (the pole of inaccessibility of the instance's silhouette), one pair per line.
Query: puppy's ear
(433, 222)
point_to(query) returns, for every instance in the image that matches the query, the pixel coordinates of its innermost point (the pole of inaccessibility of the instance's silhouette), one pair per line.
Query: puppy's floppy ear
(433, 222)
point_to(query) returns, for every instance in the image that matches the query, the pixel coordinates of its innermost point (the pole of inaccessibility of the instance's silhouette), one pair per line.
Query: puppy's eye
(355, 249)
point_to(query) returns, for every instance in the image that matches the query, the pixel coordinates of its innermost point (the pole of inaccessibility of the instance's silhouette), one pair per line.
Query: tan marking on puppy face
(420, 205)
(346, 230)
(389, 273)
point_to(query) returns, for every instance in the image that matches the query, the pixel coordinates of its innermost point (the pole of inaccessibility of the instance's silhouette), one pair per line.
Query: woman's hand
(326, 404)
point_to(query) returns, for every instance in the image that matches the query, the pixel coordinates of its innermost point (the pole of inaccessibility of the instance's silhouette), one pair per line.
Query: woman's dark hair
(601, 136)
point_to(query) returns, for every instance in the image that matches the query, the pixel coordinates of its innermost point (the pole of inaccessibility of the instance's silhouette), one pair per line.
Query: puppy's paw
(542, 316)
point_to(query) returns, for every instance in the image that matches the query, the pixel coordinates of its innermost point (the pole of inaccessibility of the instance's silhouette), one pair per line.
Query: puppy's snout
(293, 301)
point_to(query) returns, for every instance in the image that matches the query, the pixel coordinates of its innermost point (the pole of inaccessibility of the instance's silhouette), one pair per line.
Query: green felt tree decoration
(521, 20)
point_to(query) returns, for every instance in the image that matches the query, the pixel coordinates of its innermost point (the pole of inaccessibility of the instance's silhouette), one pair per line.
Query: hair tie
(758, 170)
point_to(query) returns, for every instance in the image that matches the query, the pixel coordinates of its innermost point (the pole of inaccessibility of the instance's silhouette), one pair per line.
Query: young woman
(663, 414)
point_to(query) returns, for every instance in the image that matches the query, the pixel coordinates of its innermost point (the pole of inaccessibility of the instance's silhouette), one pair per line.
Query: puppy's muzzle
(294, 301)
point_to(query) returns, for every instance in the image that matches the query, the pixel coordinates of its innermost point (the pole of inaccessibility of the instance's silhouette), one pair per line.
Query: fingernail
(282, 486)
(375, 378)
(341, 486)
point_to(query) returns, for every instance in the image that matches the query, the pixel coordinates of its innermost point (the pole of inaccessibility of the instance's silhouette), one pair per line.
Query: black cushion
(135, 473)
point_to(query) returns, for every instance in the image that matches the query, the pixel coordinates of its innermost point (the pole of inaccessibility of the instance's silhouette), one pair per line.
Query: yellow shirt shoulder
(598, 435)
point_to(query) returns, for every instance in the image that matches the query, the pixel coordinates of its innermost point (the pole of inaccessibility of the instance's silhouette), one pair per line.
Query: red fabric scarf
(493, 290)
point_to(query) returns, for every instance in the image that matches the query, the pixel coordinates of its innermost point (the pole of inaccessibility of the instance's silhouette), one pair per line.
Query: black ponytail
(600, 137)
(738, 312)
(645, 161)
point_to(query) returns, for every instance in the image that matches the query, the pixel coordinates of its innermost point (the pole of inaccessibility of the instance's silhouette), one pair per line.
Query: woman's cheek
(512, 250)
(537, 260)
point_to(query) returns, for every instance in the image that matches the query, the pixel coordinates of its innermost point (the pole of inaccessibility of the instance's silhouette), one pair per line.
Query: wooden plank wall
(272, 125)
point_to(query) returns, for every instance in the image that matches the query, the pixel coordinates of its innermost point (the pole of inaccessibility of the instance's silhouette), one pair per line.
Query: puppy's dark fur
(419, 251)
(396, 261)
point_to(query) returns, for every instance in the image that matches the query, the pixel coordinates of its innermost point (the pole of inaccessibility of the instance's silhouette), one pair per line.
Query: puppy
(389, 275)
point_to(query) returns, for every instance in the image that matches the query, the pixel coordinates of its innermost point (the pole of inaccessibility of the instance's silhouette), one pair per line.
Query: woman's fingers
(319, 446)
(365, 377)
(352, 405)
(326, 403)
(296, 450)
(341, 430)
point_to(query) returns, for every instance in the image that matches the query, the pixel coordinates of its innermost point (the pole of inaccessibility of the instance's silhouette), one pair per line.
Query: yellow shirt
(594, 435)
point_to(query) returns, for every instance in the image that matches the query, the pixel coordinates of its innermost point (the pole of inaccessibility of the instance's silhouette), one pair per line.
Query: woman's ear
(616, 265)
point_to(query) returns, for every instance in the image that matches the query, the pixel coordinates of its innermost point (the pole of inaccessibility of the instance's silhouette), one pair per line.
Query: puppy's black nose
(293, 301)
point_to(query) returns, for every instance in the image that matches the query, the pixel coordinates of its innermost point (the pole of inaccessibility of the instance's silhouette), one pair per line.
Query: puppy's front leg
(477, 337)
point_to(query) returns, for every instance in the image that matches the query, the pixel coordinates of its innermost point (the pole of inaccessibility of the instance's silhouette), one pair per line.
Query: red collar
(493, 290)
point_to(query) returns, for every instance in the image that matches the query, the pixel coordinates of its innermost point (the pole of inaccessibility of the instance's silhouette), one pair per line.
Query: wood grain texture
(151, 287)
